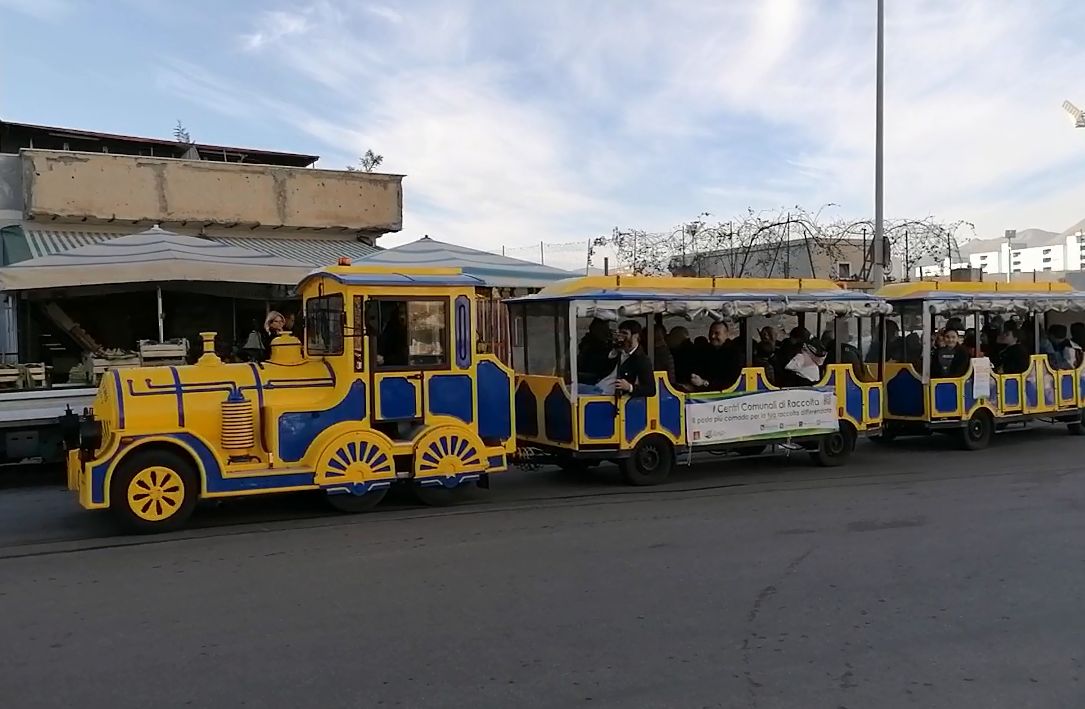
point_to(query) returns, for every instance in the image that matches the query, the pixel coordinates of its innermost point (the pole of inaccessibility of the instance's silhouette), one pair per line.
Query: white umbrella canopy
(496, 270)
(152, 256)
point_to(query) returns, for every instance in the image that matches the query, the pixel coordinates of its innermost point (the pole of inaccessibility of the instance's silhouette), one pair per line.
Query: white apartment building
(1031, 251)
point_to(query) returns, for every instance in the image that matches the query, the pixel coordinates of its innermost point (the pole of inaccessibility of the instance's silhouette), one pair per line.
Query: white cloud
(275, 26)
(516, 123)
(385, 13)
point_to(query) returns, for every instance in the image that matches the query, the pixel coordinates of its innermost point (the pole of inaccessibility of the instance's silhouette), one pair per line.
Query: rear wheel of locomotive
(441, 496)
(353, 504)
(153, 491)
(835, 448)
(650, 461)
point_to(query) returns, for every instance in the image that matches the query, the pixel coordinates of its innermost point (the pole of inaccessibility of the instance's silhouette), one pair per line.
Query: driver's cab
(404, 341)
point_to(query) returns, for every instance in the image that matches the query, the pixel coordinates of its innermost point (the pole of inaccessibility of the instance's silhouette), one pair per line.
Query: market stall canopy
(152, 256)
(495, 270)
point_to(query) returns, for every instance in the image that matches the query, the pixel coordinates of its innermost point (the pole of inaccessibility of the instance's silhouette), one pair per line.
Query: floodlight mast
(1076, 113)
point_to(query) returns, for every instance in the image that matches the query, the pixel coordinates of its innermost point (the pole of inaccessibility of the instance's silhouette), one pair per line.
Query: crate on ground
(34, 375)
(172, 352)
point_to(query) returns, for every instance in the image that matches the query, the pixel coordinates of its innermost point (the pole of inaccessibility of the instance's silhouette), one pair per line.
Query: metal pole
(787, 245)
(879, 235)
(161, 316)
(907, 262)
(542, 256)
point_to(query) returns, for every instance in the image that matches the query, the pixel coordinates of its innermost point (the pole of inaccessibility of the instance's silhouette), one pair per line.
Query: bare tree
(367, 163)
(778, 244)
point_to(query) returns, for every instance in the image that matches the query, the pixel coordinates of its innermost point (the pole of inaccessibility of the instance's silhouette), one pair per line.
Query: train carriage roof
(613, 297)
(989, 297)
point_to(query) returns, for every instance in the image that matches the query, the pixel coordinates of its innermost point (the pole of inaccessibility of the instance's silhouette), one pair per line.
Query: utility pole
(907, 259)
(879, 232)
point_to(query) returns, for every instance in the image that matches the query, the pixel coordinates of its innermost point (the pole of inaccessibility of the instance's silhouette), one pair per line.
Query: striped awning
(318, 251)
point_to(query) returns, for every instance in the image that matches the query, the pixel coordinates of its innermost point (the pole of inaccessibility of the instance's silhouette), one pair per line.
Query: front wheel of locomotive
(153, 491)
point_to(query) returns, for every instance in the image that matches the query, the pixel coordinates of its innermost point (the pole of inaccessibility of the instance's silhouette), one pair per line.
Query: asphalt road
(920, 576)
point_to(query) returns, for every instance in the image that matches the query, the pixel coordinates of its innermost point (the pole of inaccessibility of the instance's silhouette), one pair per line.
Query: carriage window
(903, 336)
(546, 340)
(324, 325)
(516, 339)
(409, 333)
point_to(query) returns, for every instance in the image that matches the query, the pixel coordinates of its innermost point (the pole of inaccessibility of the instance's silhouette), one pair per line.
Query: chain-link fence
(578, 257)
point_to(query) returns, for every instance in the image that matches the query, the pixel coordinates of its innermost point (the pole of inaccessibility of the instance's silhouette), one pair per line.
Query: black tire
(131, 501)
(1077, 428)
(835, 448)
(353, 504)
(650, 461)
(977, 432)
(441, 496)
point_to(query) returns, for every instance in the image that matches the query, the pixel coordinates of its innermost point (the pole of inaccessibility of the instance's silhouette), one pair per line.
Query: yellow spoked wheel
(153, 490)
(155, 493)
(445, 461)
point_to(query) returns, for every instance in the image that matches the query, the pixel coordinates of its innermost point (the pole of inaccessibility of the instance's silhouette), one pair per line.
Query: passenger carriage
(982, 399)
(386, 385)
(558, 420)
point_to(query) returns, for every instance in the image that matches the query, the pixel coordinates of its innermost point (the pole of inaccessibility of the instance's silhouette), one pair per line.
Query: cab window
(324, 325)
(409, 334)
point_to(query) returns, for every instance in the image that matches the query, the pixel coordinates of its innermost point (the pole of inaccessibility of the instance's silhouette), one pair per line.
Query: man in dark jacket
(720, 362)
(634, 372)
(951, 359)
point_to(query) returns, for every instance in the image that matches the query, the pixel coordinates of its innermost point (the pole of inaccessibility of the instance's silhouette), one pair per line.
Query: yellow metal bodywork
(317, 420)
(859, 403)
(1037, 391)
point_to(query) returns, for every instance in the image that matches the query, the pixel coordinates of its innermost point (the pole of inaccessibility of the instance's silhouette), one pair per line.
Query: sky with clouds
(517, 122)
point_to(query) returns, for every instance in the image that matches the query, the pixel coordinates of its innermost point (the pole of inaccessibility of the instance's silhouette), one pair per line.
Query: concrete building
(62, 188)
(843, 260)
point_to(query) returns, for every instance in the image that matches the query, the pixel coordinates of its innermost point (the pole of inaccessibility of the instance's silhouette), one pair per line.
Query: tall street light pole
(879, 227)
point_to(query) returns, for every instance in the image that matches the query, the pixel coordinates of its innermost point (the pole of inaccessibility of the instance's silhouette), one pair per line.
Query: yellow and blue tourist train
(560, 420)
(387, 386)
(990, 392)
(390, 384)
